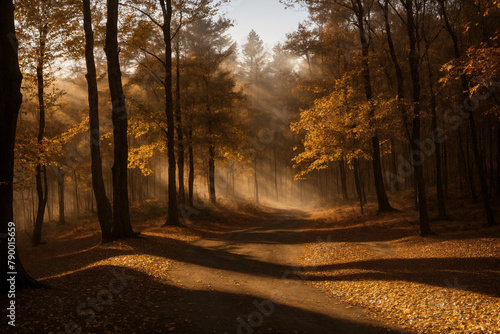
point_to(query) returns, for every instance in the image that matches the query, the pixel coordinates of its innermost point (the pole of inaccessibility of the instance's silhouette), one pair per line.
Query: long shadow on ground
(142, 304)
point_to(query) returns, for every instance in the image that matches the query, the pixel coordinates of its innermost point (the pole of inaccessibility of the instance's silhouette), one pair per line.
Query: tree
(121, 216)
(10, 102)
(104, 210)
(216, 99)
(416, 155)
(358, 13)
(254, 57)
(173, 214)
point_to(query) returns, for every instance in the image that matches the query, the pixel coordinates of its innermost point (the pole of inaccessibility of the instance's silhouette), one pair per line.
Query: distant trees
(414, 150)
(214, 95)
(45, 29)
(253, 66)
(367, 87)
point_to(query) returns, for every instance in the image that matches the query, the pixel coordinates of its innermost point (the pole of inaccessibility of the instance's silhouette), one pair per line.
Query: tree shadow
(476, 274)
(122, 300)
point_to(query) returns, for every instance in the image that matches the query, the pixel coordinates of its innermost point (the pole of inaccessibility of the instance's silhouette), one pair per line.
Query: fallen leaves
(430, 285)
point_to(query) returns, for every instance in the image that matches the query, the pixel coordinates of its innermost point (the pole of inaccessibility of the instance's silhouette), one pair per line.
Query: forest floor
(245, 269)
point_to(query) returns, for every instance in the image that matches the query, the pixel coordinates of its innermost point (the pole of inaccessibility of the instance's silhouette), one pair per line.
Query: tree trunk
(211, 174)
(256, 181)
(276, 197)
(383, 201)
(394, 165)
(60, 188)
(472, 124)
(121, 217)
(104, 211)
(439, 177)
(191, 167)
(358, 184)
(41, 170)
(416, 154)
(10, 102)
(178, 116)
(343, 178)
(173, 215)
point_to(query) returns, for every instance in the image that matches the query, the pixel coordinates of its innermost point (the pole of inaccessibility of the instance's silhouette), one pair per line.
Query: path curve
(259, 270)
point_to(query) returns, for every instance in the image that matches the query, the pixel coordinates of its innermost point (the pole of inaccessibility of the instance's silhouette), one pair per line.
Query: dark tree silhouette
(104, 211)
(121, 216)
(10, 102)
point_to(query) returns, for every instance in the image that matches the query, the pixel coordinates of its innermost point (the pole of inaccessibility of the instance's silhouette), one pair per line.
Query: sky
(268, 18)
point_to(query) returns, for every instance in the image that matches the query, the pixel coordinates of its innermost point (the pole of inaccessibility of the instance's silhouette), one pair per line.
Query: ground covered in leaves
(445, 283)
(373, 271)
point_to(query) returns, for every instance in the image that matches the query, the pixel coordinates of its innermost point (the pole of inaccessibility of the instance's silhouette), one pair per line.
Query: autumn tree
(358, 12)
(209, 48)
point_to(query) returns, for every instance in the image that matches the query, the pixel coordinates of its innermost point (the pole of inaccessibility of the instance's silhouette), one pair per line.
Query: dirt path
(254, 285)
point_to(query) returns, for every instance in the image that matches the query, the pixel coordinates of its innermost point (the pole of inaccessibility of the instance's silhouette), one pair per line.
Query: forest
(159, 176)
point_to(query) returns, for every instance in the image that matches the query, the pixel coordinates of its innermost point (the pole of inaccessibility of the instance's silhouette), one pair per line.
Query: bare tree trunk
(256, 181)
(439, 177)
(383, 201)
(416, 154)
(178, 116)
(41, 170)
(211, 174)
(275, 170)
(343, 178)
(358, 184)
(173, 215)
(104, 210)
(394, 165)
(191, 167)
(60, 183)
(10, 102)
(121, 217)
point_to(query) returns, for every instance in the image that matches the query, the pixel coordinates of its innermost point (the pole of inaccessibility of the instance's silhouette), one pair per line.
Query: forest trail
(261, 268)
(252, 269)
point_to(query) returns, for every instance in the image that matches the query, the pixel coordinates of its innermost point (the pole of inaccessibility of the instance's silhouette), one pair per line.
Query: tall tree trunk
(77, 205)
(191, 167)
(60, 188)
(358, 184)
(383, 201)
(178, 116)
(416, 154)
(343, 178)
(121, 216)
(41, 170)
(104, 211)
(394, 165)
(211, 174)
(439, 177)
(472, 123)
(10, 102)
(275, 170)
(256, 180)
(173, 214)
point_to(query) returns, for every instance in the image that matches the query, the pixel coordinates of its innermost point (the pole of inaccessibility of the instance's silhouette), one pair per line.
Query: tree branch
(144, 13)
